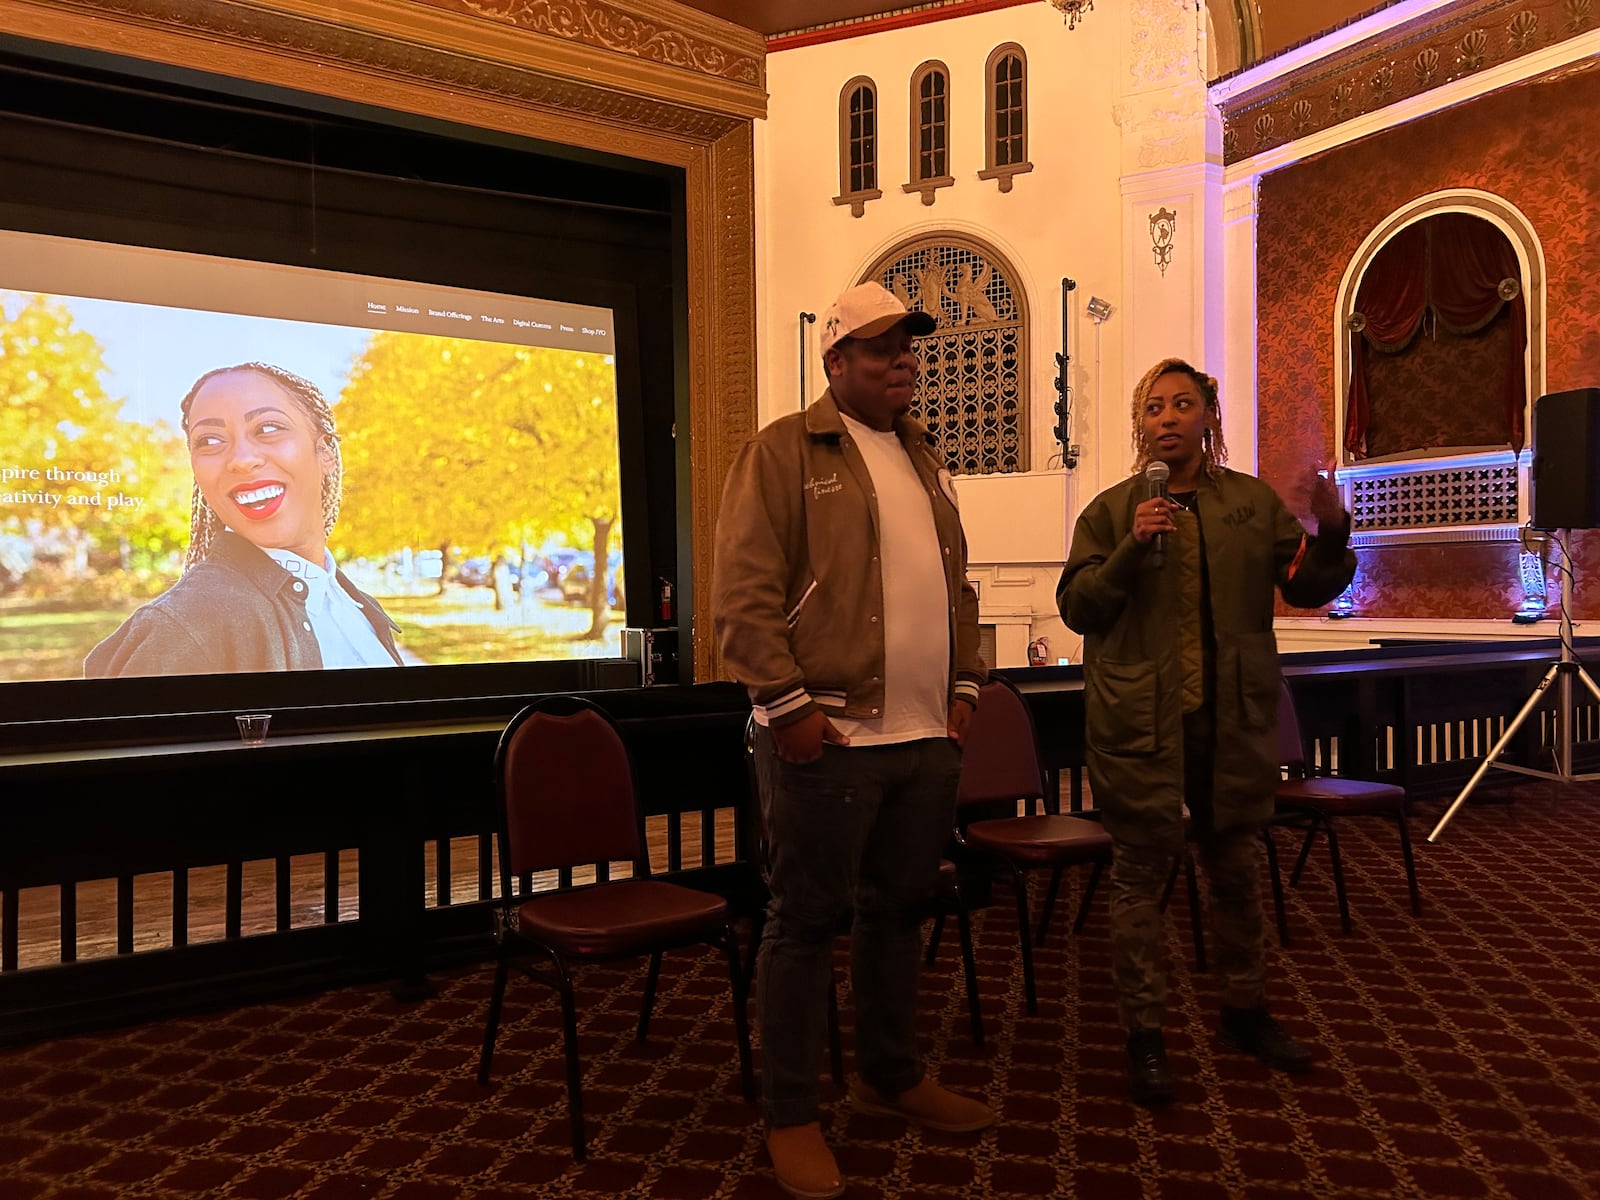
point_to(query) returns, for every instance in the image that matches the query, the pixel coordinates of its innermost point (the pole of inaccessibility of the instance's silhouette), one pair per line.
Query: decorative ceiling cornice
(1408, 60)
(672, 35)
(446, 41)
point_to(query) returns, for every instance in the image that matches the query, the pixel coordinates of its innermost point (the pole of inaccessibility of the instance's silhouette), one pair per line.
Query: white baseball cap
(867, 310)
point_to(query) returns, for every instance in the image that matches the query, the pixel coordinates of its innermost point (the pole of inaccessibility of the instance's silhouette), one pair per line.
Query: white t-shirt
(344, 635)
(916, 606)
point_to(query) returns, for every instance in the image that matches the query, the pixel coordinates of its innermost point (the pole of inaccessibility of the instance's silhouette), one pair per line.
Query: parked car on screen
(575, 582)
(531, 577)
(474, 572)
(559, 562)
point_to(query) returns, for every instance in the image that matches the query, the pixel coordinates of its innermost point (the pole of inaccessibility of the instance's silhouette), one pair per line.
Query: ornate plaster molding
(442, 41)
(1240, 201)
(1437, 48)
(1163, 44)
(660, 36)
(1166, 129)
(1163, 237)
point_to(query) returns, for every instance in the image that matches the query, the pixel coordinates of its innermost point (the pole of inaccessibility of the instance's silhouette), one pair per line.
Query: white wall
(1064, 218)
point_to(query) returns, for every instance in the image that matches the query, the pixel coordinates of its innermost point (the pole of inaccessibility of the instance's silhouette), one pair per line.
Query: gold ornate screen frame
(649, 79)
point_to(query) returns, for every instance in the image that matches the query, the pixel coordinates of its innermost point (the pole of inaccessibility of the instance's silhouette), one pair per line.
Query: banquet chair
(1314, 803)
(567, 799)
(1000, 768)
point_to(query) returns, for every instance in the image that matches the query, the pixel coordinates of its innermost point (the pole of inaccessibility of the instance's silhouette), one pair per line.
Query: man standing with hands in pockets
(841, 602)
(1172, 588)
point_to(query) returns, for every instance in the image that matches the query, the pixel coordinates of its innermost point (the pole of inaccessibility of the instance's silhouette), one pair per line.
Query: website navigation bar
(144, 276)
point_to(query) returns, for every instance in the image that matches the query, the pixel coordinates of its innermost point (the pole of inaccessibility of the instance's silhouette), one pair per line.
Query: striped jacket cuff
(774, 712)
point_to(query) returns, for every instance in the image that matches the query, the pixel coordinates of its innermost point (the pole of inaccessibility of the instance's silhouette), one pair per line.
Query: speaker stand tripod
(1562, 672)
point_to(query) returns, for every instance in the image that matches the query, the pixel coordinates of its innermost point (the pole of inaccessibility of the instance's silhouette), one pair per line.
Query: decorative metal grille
(973, 388)
(1424, 499)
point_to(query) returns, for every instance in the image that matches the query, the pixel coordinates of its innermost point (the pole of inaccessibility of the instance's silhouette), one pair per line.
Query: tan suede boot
(927, 1104)
(802, 1163)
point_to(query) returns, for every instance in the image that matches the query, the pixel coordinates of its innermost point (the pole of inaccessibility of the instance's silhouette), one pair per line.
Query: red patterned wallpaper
(1534, 145)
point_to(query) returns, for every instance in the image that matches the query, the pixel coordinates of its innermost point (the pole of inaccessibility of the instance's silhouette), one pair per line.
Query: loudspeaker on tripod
(1566, 460)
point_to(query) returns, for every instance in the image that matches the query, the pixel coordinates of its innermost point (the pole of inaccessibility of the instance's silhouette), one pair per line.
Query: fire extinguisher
(664, 601)
(1039, 652)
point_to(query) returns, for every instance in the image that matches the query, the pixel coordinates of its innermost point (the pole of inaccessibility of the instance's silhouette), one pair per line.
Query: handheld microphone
(1156, 475)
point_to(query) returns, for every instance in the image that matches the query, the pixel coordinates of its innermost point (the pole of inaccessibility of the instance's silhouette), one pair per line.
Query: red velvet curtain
(1453, 264)
(1468, 260)
(1391, 301)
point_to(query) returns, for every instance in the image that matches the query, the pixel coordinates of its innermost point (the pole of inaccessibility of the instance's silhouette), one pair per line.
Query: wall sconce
(1072, 11)
(1098, 309)
(1343, 606)
(1533, 561)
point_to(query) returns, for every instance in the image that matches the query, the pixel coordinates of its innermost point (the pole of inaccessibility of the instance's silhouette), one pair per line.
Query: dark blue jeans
(857, 834)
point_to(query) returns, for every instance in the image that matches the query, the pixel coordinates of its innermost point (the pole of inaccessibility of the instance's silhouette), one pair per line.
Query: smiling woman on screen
(259, 590)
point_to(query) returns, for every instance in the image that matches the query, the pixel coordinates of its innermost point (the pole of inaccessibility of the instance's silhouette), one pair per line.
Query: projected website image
(189, 492)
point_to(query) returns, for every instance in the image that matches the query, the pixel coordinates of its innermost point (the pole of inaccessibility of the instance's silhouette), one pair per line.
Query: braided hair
(1213, 450)
(204, 524)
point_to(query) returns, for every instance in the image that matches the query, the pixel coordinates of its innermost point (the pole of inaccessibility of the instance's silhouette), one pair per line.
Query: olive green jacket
(1129, 609)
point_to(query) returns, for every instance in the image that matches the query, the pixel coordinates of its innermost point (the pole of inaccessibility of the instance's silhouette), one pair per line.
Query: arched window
(858, 145)
(930, 130)
(972, 390)
(1439, 355)
(1006, 115)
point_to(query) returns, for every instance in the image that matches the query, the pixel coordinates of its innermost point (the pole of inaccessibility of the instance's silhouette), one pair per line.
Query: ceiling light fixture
(1072, 11)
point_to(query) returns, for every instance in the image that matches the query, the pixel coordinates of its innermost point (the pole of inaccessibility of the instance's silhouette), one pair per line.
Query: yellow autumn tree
(478, 444)
(57, 418)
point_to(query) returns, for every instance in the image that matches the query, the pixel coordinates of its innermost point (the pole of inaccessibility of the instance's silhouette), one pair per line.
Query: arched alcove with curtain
(1439, 353)
(1438, 339)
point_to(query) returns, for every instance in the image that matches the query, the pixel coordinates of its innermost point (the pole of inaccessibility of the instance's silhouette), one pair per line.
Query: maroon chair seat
(1340, 797)
(625, 919)
(567, 799)
(1312, 802)
(1001, 768)
(1042, 841)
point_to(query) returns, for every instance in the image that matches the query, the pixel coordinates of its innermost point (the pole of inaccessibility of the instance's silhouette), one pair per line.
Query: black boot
(1149, 1081)
(1254, 1032)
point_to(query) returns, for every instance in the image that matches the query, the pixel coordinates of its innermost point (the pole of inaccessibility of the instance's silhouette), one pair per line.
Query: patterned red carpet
(1459, 1056)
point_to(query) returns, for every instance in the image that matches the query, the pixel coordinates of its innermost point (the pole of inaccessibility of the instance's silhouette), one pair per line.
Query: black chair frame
(545, 965)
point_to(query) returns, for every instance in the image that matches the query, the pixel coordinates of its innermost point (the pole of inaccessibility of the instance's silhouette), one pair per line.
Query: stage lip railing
(398, 782)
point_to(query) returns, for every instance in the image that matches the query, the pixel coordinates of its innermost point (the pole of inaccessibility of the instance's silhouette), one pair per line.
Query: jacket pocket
(813, 639)
(1120, 708)
(793, 615)
(1248, 669)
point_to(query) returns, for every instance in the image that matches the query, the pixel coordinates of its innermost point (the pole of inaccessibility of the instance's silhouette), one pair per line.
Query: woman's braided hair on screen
(204, 524)
(1213, 450)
